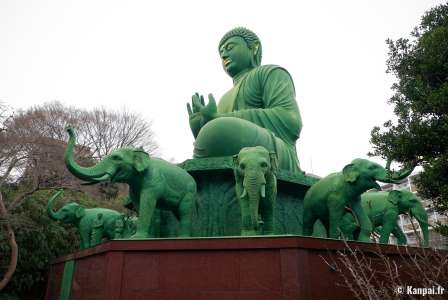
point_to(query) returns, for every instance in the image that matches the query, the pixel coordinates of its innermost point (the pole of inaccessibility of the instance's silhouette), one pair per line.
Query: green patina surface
(259, 110)
(217, 210)
(244, 178)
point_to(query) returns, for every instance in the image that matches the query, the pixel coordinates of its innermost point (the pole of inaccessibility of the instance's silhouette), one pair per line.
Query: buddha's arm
(280, 113)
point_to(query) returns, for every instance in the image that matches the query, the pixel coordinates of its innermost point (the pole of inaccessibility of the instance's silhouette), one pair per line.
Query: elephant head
(408, 202)
(256, 166)
(255, 170)
(363, 174)
(122, 165)
(70, 213)
(125, 227)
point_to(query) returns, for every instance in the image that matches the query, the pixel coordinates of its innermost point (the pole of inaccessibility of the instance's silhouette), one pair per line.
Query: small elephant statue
(328, 198)
(125, 227)
(383, 209)
(152, 183)
(256, 188)
(86, 220)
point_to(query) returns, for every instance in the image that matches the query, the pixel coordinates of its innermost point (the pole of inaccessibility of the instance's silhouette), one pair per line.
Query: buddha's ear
(256, 57)
(256, 49)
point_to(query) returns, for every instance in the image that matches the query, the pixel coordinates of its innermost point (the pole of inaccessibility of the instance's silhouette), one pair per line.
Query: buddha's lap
(227, 135)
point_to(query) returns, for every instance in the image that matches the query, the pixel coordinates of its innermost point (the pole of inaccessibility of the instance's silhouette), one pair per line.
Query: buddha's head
(240, 49)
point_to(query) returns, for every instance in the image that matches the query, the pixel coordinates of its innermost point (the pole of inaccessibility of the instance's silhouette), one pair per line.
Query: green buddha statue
(259, 110)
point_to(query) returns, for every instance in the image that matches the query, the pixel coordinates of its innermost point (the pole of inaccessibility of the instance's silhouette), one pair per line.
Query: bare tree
(33, 143)
(376, 275)
(12, 244)
(103, 130)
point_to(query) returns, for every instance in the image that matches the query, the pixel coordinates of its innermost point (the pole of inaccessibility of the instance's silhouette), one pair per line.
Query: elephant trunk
(255, 188)
(397, 176)
(420, 214)
(53, 215)
(92, 174)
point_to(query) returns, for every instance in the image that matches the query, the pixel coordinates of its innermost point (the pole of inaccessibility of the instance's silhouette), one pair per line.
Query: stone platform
(232, 268)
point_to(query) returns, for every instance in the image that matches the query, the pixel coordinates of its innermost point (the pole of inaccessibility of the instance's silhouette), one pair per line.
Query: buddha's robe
(260, 110)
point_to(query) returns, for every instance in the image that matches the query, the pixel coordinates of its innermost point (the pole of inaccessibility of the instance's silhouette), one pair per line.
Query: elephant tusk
(105, 177)
(263, 190)
(244, 193)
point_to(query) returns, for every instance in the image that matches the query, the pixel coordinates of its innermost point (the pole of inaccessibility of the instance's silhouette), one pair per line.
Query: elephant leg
(348, 226)
(184, 213)
(365, 225)
(388, 225)
(334, 224)
(399, 234)
(248, 222)
(85, 238)
(267, 215)
(308, 222)
(96, 236)
(336, 210)
(147, 206)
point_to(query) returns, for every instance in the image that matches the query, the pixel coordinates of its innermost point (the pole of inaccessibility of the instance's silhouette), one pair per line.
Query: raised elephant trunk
(397, 176)
(91, 174)
(53, 215)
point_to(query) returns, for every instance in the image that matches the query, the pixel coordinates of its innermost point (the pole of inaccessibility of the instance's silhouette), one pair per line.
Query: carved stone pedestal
(217, 211)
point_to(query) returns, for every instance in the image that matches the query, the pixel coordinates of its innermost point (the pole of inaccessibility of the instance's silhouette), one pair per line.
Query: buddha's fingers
(190, 112)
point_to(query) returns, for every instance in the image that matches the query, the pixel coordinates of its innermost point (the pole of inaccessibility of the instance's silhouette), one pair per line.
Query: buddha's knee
(219, 137)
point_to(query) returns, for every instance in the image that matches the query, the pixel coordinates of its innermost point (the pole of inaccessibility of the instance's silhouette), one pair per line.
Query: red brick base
(284, 267)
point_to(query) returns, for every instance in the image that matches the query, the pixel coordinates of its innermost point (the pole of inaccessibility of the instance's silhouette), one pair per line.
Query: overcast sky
(151, 56)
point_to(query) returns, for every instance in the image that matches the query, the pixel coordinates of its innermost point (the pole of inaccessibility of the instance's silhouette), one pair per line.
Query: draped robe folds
(260, 110)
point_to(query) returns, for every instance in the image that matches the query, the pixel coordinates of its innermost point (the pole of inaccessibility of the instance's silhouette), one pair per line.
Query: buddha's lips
(227, 61)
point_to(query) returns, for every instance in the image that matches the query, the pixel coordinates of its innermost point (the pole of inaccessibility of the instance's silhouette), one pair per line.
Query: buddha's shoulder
(265, 70)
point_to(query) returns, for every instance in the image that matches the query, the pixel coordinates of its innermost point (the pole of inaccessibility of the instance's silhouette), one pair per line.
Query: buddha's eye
(229, 47)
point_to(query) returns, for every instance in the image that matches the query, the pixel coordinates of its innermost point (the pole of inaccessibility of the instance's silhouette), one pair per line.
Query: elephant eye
(243, 166)
(264, 164)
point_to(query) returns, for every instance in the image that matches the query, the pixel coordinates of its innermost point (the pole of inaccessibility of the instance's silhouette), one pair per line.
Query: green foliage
(40, 240)
(421, 105)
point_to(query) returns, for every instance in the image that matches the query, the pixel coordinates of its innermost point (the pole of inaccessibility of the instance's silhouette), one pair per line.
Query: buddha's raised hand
(201, 113)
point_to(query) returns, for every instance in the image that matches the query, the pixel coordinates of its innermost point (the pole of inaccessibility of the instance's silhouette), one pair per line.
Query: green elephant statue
(328, 198)
(256, 188)
(383, 209)
(152, 183)
(94, 224)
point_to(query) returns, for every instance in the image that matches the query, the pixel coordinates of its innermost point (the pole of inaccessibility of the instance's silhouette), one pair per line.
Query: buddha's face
(236, 56)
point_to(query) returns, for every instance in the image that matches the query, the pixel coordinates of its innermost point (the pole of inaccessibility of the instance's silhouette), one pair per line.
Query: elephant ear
(274, 162)
(236, 162)
(99, 221)
(79, 212)
(394, 197)
(141, 160)
(350, 173)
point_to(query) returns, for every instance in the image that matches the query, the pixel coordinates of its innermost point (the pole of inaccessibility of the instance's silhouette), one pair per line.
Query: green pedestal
(217, 210)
